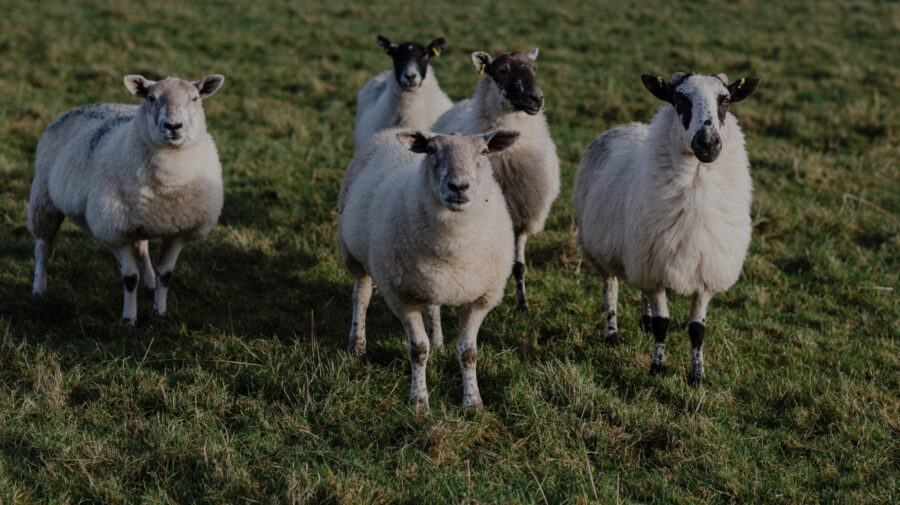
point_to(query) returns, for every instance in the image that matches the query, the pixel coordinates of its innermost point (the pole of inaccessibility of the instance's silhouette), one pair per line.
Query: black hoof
(657, 368)
(522, 306)
(698, 381)
(612, 339)
(645, 324)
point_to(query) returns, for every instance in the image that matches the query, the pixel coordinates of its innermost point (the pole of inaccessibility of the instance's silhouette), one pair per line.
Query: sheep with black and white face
(407, 96)
(667, 205)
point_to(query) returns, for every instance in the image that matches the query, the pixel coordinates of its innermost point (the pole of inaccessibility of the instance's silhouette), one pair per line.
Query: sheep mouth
(530, 109)
(456, 203)
(706, 156)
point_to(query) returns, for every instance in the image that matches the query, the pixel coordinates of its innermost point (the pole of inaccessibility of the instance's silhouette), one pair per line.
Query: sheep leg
(659, 322)
(610, 301)
(362, 293)
(45, 222)
(143, 254)
(167, 257)
(645, 313)
(128, 265)
(470, 318)
(417, 338)
(697, 330)
(432, 315)
(519, 272)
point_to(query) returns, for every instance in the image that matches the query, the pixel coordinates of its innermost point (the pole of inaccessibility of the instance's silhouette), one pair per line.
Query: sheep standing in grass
(421, 215)
(127, 174)
(411, 99)
(667, 205)
(508, 97)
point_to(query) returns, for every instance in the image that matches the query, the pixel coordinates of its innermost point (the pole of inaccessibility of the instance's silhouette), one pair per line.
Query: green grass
(245, 392)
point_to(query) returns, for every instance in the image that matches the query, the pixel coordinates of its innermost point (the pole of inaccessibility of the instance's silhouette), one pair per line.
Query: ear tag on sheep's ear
(481, 72)
(741, 83)
(436, 53)
(659, 81)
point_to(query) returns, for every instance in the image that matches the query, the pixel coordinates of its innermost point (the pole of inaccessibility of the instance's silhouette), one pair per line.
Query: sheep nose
(458, 188)
(537, 97)
(173, 126)
(409, 76)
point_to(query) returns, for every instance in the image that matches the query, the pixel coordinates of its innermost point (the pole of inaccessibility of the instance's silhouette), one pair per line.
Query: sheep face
(172, 111)
(411, 60)
(514, 76)
(701, 105)
(457, 165)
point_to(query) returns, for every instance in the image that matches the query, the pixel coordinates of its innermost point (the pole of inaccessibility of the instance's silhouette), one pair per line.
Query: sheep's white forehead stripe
(703, 91)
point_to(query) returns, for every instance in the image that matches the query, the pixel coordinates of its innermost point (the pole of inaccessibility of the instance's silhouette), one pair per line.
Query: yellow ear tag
(436, 53)
(741, 83)
(482, 70)
(659, 80)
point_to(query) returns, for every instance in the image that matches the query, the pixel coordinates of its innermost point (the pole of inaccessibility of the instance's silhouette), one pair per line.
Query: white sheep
(127, 174)
(508, 97)
(423, 217)
(411, 99)
(667, 205)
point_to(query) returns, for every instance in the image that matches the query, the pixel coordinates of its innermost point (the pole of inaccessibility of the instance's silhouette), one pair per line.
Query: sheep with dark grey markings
(422, 216)
(407, 96)
(127, 174)
(667, 205)
(508, 97)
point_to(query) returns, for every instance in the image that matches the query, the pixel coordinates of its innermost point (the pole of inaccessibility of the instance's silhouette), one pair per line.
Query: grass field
(244, 394)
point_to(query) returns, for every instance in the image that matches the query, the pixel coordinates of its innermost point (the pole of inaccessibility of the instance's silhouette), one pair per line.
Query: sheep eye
(725, 100)
(485, 152)
(195, 98)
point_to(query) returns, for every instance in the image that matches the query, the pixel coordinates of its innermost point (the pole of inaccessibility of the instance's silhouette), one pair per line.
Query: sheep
(412, 99)
(128, 174)
(508, 96)
(667, 205)
(421, 215)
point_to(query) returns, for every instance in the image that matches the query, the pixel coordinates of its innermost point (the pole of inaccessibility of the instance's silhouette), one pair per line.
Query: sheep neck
(164, 165)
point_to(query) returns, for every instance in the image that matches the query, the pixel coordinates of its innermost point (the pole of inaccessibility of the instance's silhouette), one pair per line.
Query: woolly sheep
(508, 97)
(423, 217)
(667, 205)
(412, 99)
(127, 174)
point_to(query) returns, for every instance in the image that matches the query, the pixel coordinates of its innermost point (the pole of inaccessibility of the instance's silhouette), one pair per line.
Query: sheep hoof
(697, 380)
(419, 404)
(128, 322)
(357, 348)
(612, 338)
(522, 305)
(473, 402)
(657, 368)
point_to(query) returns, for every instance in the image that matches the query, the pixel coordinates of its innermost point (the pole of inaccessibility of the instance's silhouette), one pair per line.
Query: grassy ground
(246, 393)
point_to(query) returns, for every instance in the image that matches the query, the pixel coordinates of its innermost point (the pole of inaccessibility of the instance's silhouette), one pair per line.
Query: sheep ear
(500, 140)
(742, 88)
(415, 141)
(436, 47)
(138, 85)
(209, 84)
(481, 60)
(658, 87)
(384, 44)
(533, 54)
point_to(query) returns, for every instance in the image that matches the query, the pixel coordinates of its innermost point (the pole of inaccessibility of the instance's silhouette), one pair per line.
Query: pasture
(244, 393)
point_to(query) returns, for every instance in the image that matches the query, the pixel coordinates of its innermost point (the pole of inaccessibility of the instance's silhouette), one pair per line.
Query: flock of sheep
(438, 200)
